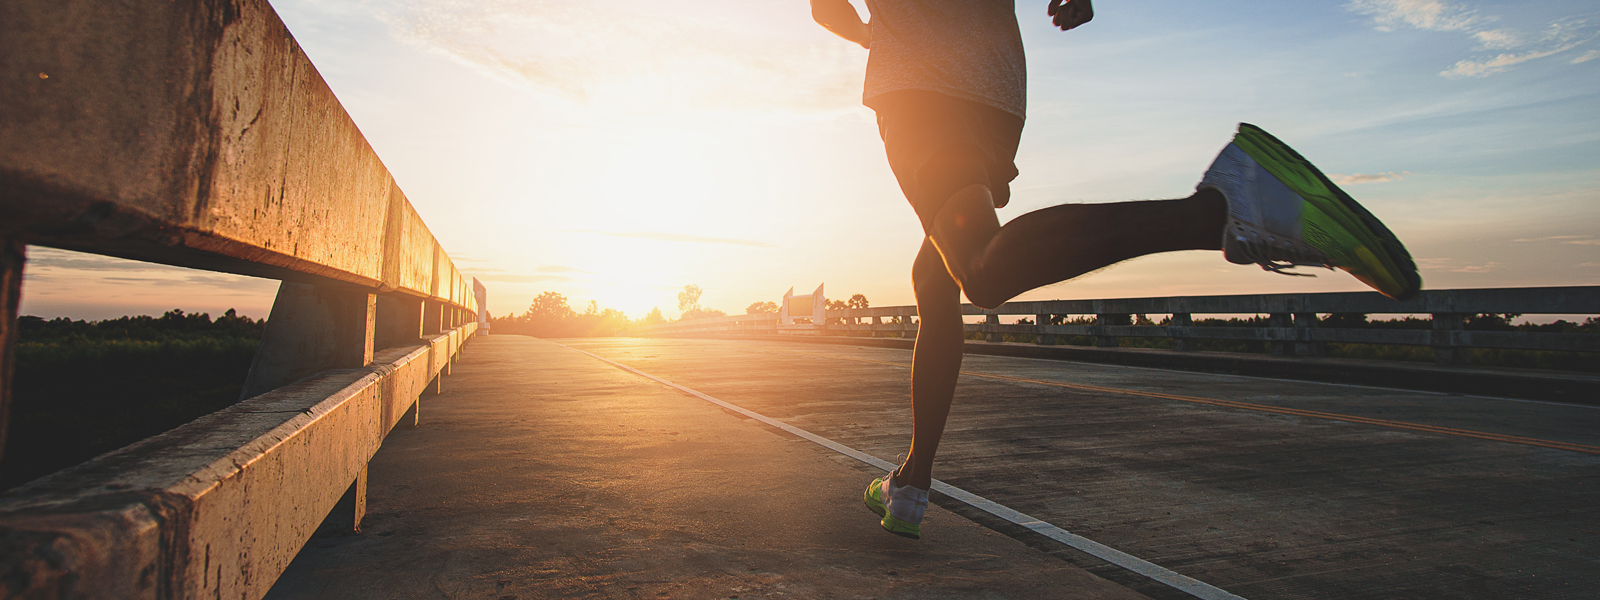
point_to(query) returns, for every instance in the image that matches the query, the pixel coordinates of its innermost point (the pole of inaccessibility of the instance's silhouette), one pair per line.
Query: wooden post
(1279, 323)
(1181, 322)
(992, 321)
(13, 254)
(1041, 338)
(1445, 351)
(1303, 324)
(311, 329)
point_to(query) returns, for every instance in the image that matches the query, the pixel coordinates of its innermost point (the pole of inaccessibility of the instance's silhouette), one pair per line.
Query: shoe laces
(1274, 253)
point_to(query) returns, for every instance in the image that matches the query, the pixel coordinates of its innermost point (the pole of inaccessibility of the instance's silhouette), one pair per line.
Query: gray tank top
(969, 49)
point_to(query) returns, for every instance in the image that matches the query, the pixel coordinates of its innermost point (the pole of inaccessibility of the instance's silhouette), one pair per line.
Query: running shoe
(901, 507)
(1284, 213)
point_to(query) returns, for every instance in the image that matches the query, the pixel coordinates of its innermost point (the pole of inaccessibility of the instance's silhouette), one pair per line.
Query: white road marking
(1193, 587)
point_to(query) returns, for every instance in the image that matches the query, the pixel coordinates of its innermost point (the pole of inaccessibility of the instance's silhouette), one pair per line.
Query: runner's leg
(935, 363)
(992, 263)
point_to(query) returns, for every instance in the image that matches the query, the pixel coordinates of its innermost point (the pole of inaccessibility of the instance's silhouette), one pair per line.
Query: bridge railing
(1293, 326)
(198, 134)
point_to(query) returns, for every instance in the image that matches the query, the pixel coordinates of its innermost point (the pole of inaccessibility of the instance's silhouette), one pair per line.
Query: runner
(949, 84)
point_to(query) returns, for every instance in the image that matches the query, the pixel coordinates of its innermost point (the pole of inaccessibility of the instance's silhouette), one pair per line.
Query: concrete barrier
(1292, 328)
(217, 507)
(198, 134)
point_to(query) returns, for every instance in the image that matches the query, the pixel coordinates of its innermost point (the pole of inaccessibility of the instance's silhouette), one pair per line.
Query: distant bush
(83, 388)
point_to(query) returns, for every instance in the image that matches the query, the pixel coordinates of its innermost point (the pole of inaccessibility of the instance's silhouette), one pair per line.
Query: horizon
(554, 146)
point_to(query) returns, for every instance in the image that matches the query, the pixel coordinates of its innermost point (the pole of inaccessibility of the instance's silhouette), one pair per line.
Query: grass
(83, 388)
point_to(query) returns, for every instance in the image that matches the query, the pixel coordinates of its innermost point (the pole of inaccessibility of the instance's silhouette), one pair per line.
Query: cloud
(1589, 264)
(1357, 178)
(1476, 68)
(1498, 38)
(1582, 240)
(50, 258)
(633, 60)
(677, 237)
(523, 278)
(1444, 264)
(1514, 47)
(1483, 268)
(558, 269)
(1435, 15)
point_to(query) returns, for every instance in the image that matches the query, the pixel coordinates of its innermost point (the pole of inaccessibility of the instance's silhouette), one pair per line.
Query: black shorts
(938, 144)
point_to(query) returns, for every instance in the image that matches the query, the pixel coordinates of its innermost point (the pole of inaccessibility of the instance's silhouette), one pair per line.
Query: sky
(617, 153)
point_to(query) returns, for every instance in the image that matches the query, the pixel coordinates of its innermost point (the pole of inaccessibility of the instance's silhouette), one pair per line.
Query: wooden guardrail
(198, 134)
(1293, 324)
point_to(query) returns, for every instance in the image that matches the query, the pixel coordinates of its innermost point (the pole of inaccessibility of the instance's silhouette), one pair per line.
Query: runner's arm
(1067, 13)
(842, 19)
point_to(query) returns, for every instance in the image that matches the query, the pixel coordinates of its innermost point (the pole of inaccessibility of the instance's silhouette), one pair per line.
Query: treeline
(1526, 359)
(549, 316)
(82, 388)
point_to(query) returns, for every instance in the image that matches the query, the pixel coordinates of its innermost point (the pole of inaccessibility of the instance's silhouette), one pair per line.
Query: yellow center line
(1257, 407)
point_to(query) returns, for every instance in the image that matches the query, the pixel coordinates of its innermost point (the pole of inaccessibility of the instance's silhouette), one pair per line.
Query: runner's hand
(1071, 13)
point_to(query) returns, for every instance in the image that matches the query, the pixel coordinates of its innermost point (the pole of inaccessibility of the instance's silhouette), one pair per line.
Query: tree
(654, 318)
(757, 308)
(857, 301)
(549, 306)
(701, 313)
(689, 298)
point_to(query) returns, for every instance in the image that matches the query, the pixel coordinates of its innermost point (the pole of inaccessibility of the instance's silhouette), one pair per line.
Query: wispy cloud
(648, 62)
(1581, 240)
(1436, 15)
(507, 278)
(50, 258)
(1448, 265)
(1514, 47)
(558, 269)
(1357, 178)
(1479, 68)
(1483, 268)
(677, 237)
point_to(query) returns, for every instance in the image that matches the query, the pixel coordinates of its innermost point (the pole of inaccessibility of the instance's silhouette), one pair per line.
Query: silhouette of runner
(948, 81)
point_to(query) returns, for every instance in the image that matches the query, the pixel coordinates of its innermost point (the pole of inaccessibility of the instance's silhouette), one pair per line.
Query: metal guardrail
(1293, 324)
(198, 134)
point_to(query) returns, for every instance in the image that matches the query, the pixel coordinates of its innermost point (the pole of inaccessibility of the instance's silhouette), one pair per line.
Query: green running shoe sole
(874, 503)
(890, 523)
(1333, 221)
(901, 528)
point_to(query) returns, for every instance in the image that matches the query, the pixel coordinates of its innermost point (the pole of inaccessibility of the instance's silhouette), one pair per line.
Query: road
(571, 468)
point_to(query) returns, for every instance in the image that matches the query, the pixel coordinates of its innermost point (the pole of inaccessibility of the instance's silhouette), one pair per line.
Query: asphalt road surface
(571, 468)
